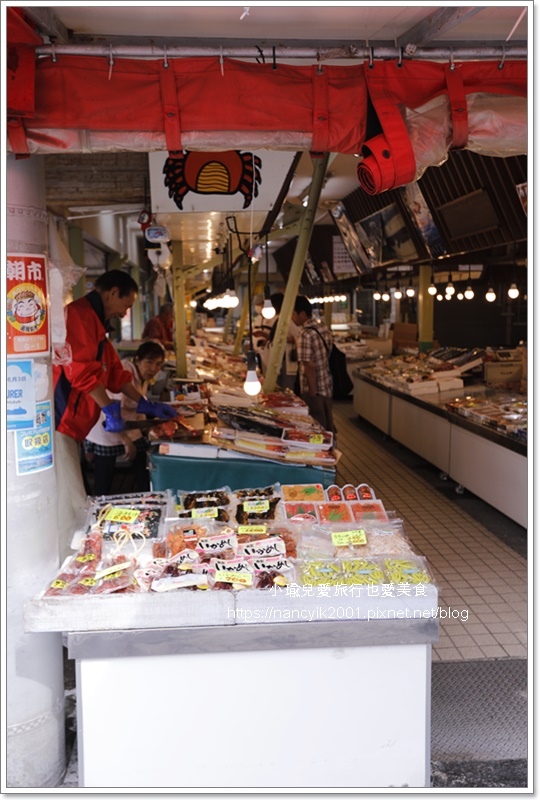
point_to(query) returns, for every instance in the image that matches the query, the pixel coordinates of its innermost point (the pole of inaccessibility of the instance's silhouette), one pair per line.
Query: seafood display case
(475, 435)
(241, 605)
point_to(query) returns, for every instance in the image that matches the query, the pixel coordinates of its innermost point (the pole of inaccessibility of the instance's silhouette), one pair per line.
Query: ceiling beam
(147, 50)
(47, 24)
(437, 23)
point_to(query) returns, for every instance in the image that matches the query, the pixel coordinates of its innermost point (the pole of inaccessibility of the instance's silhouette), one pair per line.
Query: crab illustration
(228, 172)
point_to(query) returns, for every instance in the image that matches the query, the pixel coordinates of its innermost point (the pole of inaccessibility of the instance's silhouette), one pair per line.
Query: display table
(229, 469)
(234, 689)
(489, 464)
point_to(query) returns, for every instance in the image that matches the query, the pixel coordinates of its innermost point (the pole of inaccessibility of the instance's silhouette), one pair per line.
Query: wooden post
(425, 310)
(180, 320)
(320, 165)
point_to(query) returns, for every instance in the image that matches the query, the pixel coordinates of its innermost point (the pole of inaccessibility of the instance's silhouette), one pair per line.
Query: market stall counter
(476, 436)
(235, 469)
(255, 646)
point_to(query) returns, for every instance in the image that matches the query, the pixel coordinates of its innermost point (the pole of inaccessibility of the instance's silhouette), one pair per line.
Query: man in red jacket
(80, 389)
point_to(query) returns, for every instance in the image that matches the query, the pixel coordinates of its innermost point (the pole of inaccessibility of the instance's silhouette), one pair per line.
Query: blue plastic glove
(113, 418)
(160, 410)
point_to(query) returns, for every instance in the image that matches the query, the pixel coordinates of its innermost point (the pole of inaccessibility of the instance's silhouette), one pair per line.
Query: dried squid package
(276, 571)
(258, 505)
(233, 574)
(219, 498)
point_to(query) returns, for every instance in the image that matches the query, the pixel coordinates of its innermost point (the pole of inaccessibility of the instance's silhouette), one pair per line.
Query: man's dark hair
(302, 304)
(166, 308)
(151, 350)
(277, 300)
(118, 279)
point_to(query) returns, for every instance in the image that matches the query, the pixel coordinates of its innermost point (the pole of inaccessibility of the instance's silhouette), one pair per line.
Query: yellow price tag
(204, 513)
(259, 529)
(243, 578)
(122, 515)
(256, 505)
(358, 537)
(87, 557)
(343, 538)
(317, 438)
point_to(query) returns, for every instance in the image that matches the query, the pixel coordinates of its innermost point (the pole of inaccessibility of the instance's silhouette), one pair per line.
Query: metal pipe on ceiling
(352, 52)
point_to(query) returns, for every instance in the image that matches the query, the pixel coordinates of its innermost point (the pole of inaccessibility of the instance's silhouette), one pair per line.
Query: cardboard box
(498, 372)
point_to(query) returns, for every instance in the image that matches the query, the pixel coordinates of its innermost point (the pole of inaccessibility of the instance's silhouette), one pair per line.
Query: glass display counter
(472, 434)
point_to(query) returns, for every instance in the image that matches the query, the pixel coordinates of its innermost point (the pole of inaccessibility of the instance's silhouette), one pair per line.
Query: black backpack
(337, 361)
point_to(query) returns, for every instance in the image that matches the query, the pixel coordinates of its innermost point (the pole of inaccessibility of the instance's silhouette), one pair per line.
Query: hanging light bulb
(343, 298)
(268, 311)
(447, 296)
(410, 289)
(386, 294)
(440, 297)
(490, 295)
(450, 289)
(513, 291)
(193, 303)
(432, 289)
(252, 384)
(376, 295)
(398, 294)
(469, 294)
(459, 296)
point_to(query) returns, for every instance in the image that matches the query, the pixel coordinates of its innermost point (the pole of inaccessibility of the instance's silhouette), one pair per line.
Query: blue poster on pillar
(35, 446)
(21, 395)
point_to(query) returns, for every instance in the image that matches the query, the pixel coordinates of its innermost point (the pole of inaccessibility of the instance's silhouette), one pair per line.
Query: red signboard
(27, 305)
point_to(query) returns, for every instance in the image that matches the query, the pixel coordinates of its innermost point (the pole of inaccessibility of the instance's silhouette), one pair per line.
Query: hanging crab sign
(213, 173)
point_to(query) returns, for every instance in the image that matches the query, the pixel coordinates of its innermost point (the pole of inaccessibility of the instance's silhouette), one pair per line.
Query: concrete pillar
(35, 748)
(425, 310)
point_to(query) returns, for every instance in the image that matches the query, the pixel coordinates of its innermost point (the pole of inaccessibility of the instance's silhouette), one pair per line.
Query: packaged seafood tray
(407, 570)
(350, 493)
(338, 572)
(122, 518)
(311, 440)
(301, 512)
(258, 505)
(334, 512)
(363, 510)
(299, 492)
(188, 500)
(318, 457)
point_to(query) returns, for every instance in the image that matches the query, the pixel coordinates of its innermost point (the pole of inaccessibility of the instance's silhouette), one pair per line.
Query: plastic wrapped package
(336, 571)
(334, 494)
(211, 513)
(285, 532)
(258, 508)
(301, 512)
(365, 492)
(334, 512)
(180, 535)
(115, 574)
(231, 574)
(364, 510)
(303, 492)
(385, 540)
(274, 571)
(412, 570)
(214, 497)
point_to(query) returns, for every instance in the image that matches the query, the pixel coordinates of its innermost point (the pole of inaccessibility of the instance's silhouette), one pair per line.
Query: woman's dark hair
(151, 350)
(118, 279)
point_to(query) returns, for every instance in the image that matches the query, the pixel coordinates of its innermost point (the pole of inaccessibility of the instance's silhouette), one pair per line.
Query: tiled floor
(482, 581)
